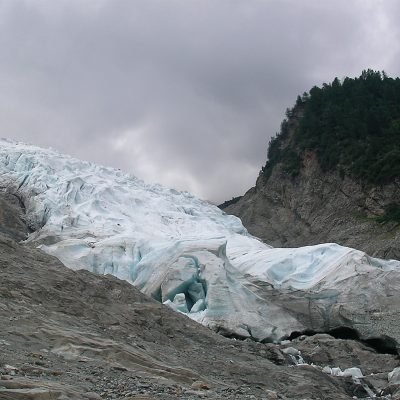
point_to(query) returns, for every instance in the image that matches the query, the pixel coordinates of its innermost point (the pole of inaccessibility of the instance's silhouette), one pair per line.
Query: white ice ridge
(181, 250)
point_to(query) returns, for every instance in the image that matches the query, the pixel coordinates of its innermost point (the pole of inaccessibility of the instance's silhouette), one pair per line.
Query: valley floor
(75, 335)
(68, 334)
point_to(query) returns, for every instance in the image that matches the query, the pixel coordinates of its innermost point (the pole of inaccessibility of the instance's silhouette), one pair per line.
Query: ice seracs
(181, 250)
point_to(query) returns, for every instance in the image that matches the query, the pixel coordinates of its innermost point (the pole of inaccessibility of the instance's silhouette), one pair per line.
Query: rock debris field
(68, 334)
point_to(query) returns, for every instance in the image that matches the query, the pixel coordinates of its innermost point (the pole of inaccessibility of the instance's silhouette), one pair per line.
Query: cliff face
(333, 171)
(317, 207)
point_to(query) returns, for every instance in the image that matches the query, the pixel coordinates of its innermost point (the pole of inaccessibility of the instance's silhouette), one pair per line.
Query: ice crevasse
(175, 247)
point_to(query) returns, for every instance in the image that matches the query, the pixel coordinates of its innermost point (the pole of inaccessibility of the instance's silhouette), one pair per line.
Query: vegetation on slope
(353, 127)
(392, 213)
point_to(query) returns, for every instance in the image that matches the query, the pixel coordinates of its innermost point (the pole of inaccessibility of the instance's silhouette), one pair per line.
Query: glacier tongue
(182, 251)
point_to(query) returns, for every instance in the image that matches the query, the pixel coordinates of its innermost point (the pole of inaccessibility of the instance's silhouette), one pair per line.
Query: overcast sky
(185, 93)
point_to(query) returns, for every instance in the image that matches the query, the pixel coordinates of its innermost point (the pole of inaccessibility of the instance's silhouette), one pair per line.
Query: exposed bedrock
(11, 214)
(318, 207)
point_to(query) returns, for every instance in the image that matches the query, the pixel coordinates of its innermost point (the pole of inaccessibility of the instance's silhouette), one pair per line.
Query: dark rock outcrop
(333, 170)
(11, 217)
(318, 207)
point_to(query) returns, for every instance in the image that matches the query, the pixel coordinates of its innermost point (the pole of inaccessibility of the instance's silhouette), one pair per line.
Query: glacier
(190, 255)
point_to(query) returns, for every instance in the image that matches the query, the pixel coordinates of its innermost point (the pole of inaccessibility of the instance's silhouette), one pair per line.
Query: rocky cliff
(328, 179)
(318, 207)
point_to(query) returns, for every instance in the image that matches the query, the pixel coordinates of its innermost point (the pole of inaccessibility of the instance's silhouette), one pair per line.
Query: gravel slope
(74, 335)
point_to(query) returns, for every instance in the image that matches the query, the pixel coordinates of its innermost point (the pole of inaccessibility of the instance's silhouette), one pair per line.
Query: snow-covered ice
(352, 372)
(179, 249)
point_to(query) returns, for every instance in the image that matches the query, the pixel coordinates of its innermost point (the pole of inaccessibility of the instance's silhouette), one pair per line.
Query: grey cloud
(184, 93)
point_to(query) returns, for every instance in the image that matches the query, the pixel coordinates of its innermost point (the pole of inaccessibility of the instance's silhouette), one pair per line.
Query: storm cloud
(185, 93)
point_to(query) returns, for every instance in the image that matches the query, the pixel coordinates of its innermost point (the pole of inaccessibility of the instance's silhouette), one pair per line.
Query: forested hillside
(333, 170)
(352, 125)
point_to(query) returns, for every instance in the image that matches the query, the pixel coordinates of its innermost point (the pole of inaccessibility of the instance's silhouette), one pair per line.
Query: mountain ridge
(310, 191)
